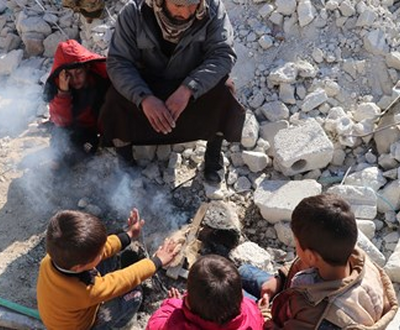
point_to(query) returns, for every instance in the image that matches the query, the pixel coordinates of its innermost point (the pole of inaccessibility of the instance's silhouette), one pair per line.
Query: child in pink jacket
(214, 300)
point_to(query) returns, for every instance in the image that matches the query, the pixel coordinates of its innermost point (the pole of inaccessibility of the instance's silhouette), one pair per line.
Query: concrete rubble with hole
(319, 82)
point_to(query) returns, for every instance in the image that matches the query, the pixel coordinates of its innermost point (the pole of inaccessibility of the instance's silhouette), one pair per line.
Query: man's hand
(178, 101)
(168, 251)
(63, 81)
(271, 287)
(134, 224)
(158, 115)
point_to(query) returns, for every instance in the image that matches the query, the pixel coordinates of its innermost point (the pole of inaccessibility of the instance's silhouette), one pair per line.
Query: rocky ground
(319, 81)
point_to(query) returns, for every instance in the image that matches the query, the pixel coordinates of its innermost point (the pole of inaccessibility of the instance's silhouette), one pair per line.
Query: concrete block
(302, 148)
(363, 200)
(251, 253)
(276, 199)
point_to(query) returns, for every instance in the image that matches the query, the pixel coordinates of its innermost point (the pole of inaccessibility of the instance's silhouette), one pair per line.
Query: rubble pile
(320, 82)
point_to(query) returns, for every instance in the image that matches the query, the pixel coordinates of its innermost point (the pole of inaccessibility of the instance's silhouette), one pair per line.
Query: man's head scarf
(172, 30)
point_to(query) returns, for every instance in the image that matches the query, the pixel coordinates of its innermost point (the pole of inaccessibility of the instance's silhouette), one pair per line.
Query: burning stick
(190, 246)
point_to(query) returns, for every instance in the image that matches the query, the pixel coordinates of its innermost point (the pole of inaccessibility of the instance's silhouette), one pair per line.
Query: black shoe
(212, 176)
(125, 157)
(213, 161)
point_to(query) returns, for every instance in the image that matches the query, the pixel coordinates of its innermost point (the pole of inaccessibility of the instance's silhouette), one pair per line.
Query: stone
(363, 200)
(243, 72)
(242, 184)
(275, 111)
(222, 215)
(314, 99)
(285, 74)
(306, 12)
(286, 94)
(266, 10)
(366, 17)
(375, 42)
(368, 227)
(384, 138)
(10, 61)
(367, 110)
(286, 7)
(392, 266)
(368, 177)
(51, 42)
(144, 152)
(256, 161)
(393, 60)
(276, 199)
(251, 253)
(284, 233)
(299, 149)
(266, 41)
(370, 249)
(268, 132)
(250, 131)
(389, 197)
(163, 152)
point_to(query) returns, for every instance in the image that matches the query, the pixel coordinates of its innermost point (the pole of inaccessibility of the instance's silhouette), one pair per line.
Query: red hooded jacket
(174, 315)
(79, 107)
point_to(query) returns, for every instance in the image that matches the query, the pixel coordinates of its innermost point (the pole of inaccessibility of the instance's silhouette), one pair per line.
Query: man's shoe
(213, 161)
(211, 176)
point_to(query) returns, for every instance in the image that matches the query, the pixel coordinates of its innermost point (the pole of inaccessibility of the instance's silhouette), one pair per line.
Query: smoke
(20, 96)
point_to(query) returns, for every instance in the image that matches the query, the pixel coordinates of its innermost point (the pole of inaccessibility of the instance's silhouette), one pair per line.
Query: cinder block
(277, 199)
(302, 148)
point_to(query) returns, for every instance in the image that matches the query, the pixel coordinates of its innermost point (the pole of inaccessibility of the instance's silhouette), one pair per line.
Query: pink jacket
(174, 315)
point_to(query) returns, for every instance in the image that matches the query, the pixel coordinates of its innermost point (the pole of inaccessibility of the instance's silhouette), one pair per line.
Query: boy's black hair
(214, 289)
(325, 224)
(74, 238)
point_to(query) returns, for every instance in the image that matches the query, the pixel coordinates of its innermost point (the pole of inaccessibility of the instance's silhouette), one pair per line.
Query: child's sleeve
(60, 109)
(162, 317)
(121, 281)
(114, 244)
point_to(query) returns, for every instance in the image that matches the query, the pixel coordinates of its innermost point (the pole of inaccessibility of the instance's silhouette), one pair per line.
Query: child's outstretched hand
(135, 224)
(168, 251)
(174, 293)
(64, 79)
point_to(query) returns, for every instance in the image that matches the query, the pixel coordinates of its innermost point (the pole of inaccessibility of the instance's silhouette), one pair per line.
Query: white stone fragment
(363, 200)
(10, 61)
(275, 111)
(284, 233)
(375, 42)
(367, 110)
(266, 41)
(256, 161)
(366, 17)
(306, 12)
(314, 99)
(251, 253)
(368, 227)
(389, 197)
(347, 9)
(392, 266)
(285, 74)
(370, 249)
(266, 10)
(286, 94)
(277, 199)
(302, 148)
(393, 60)
(368, 177)
(250, 131)
(286, 7)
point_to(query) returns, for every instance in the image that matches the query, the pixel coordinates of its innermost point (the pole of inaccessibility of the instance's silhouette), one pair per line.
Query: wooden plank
(173, 272)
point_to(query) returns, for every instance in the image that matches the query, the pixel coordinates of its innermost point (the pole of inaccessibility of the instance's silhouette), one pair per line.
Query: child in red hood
(75, 91)
(214, 301)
